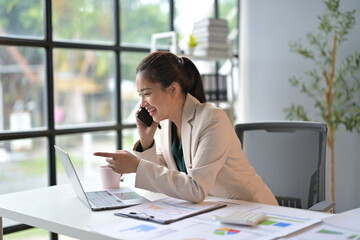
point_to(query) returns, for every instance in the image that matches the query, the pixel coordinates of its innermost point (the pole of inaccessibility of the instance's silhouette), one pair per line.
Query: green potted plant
(191, 44)
(333, 84)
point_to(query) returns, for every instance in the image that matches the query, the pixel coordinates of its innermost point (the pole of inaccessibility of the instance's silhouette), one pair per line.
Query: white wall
(266, 64)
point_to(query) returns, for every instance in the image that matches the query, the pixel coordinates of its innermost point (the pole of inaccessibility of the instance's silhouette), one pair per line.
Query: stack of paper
(341, 226)
(280, 221)
(211, 37)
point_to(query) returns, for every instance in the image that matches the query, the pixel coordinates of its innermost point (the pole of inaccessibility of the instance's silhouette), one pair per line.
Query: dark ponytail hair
(165, 67)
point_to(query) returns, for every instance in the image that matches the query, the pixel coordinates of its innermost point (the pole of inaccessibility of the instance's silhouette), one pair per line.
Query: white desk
(58, 210)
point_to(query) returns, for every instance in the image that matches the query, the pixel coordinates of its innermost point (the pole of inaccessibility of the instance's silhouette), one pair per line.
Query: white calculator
(242, 218)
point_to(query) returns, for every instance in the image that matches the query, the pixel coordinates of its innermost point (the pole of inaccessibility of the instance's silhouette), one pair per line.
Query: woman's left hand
(121, 161)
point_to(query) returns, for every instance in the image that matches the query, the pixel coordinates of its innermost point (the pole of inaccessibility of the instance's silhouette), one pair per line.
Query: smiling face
(157, 100)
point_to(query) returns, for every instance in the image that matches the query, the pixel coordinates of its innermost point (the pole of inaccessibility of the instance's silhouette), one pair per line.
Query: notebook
(98, 200)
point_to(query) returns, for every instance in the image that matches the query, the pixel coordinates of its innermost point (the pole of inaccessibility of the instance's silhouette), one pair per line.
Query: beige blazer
(215, 163)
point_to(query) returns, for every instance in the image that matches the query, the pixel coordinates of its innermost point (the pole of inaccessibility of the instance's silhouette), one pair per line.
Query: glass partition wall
(67, 77)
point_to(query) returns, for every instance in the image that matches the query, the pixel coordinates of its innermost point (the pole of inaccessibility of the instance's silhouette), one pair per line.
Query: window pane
(22, 86)
(139, 19)
(34, 233)
(84, 87)
(23, 164)
(129, 137)
(187, 13)
(22, 19)
(129, 95)
(23, 159)
(81, 148)
(228, 9)
(83, 21)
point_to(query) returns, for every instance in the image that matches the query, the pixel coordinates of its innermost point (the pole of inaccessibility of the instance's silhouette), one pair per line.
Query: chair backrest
(290, 157)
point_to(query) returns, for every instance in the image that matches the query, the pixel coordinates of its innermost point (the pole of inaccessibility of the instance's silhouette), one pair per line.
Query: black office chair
(290, 157)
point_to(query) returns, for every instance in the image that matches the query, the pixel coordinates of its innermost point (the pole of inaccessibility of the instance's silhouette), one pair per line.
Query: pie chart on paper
(226, 231)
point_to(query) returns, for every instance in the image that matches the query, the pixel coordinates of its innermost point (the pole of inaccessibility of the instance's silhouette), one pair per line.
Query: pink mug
(109, 178)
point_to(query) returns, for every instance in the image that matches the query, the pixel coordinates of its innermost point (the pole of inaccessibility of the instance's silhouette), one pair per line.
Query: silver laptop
(98, 200)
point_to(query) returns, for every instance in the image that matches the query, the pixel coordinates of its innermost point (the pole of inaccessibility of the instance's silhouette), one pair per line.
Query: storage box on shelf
(215, 86)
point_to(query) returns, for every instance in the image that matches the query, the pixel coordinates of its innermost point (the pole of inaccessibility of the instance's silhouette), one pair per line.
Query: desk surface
(58, 210)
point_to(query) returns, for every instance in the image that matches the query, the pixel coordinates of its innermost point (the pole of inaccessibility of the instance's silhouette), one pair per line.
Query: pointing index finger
(105, 154)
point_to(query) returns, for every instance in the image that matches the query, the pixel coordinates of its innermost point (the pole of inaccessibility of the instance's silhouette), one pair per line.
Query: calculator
(242, 218)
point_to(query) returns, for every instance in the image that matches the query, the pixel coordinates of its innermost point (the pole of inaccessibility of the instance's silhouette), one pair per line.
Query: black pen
(140, 216)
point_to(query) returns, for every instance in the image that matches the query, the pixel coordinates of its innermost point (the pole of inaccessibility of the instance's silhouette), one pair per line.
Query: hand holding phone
(144, 116)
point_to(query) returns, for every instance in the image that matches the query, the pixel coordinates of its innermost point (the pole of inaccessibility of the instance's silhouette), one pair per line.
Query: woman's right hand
(146, 133)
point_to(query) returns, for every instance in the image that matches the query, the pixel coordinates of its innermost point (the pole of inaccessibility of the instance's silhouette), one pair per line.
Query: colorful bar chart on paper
(342, 226)
(277, 225)
(281, 222)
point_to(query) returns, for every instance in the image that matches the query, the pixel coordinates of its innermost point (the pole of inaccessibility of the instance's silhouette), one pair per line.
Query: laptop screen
(71, 173)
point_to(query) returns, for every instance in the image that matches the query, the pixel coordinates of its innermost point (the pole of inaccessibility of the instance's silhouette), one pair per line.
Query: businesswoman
(197, 152)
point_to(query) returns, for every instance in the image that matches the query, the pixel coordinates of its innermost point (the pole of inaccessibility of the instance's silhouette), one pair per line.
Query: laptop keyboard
(103, 198)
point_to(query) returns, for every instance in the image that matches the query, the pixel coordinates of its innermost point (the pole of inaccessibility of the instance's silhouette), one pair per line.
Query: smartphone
(144, 116)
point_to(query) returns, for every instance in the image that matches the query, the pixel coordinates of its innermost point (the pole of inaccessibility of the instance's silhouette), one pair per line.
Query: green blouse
(176, 149)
